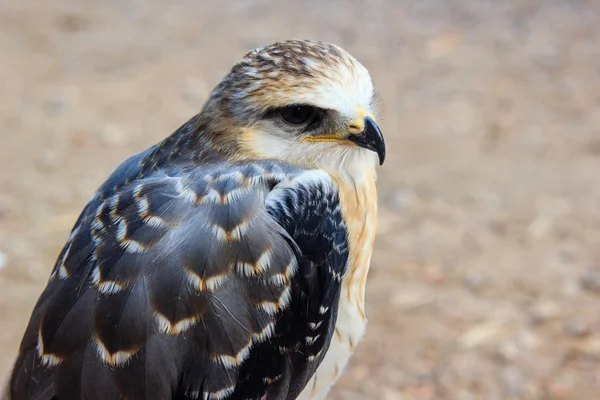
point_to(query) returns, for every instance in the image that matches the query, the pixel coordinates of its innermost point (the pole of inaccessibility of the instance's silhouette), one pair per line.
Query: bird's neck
(359, 202)
(200, 139)
(355, 166)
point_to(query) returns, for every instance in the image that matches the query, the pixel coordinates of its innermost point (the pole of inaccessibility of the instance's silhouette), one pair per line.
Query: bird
(228, 261)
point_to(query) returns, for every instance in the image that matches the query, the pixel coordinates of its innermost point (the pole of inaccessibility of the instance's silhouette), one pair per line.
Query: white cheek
(271, 145)
(338, 159)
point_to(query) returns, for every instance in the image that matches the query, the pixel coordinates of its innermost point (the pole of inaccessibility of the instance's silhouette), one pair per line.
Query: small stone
(57, 103)
(540, 226)
(484, 333)
(570, 287)
(577, 328)
(533, 390)
(562, 387)
(591, 281)
(526, 340)
(590, 347)
(547, 57)
(508, 351)
(474, 281)
(434, 274)
(543, 311)
(48, 160)
(560, 391)
(3, 260)
(593, 147)
(72, 23)
(514, 348)
(513, 379)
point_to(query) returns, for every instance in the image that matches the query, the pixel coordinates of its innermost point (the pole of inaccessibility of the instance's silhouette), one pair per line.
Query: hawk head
(303, 102)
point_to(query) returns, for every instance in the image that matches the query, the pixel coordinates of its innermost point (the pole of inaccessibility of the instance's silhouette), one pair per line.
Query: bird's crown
(298, 72)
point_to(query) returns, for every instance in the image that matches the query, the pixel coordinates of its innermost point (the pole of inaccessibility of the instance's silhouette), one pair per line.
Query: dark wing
(308, 208)
(213, 284)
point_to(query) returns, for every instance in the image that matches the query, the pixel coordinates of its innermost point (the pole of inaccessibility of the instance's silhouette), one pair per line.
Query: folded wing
(219, 283)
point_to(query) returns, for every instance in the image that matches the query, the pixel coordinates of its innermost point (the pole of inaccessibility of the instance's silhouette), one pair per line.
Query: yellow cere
(357, 126)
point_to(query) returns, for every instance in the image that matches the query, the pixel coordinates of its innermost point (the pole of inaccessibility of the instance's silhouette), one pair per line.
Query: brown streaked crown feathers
(276, 75)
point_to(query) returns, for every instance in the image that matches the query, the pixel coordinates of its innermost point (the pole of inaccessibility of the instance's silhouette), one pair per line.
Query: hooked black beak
(370, 138)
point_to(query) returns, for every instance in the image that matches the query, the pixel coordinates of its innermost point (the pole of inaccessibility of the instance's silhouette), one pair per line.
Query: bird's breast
(359, 205)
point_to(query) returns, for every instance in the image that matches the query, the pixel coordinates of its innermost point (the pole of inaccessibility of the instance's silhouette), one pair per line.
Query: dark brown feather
(189, 283)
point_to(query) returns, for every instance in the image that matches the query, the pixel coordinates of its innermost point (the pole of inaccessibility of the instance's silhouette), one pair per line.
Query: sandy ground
(486, 277)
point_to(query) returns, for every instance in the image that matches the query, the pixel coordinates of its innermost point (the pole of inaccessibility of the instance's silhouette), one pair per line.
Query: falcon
(229, 261)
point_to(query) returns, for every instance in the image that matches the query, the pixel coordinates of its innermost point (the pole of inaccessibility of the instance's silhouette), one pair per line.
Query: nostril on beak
(355, 128)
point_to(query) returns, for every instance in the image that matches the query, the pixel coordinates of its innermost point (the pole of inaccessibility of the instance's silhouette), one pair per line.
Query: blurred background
(485, 281)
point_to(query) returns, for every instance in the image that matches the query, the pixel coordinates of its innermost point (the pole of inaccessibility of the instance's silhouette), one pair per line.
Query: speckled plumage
(214, 265)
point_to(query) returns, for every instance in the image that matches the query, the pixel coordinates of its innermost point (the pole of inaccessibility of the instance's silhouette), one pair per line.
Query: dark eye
(297, 115)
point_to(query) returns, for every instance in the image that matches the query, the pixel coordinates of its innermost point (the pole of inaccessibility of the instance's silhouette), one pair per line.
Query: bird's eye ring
(297, 115)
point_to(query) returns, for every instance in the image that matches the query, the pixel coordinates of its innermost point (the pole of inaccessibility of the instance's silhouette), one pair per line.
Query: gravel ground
(486, 276)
